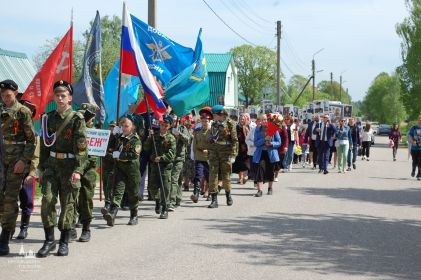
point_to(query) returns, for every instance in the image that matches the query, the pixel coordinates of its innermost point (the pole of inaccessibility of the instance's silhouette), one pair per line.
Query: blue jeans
(352, 155)
(288, 156)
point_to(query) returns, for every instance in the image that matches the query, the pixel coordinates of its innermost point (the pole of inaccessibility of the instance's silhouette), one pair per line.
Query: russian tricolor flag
(133, 63)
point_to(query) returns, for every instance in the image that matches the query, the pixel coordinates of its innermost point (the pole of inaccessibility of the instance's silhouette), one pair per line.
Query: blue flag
(89, 88)
(165, 58)
(190, 89)
(129, 90)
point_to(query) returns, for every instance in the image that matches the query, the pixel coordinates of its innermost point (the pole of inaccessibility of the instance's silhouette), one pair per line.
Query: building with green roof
(223, 81)
(17, 67)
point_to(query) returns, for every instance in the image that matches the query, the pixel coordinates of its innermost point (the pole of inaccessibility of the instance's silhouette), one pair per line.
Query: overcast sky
(358, 36)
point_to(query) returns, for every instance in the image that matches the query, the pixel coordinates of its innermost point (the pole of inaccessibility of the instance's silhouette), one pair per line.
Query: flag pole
(163, 197)
(71, 46)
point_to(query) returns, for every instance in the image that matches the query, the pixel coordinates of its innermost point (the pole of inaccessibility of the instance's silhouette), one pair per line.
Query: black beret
(63, 84)
(9, 84)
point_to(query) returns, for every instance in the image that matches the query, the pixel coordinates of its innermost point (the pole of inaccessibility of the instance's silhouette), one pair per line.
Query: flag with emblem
(128, 90)
(58, 66)
(132, 62)
(89, 89)
(190, 89)
(165, 58)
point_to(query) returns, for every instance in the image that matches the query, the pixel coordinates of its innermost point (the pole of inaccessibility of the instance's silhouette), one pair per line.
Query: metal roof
(16, 66)
(218, 62)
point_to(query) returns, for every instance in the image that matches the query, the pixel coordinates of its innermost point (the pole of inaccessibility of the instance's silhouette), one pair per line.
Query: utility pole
(152, 13)
(313, 69)
(340, 88)
(331, 84)
(278, 62)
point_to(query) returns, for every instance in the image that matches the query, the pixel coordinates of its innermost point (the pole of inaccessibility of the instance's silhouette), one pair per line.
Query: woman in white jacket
(366, 136)
(250, 150)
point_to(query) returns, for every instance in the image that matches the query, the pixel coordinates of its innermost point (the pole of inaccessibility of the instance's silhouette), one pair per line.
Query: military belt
(125, 160)
(9, 142)
(224, 143)
(61, 155)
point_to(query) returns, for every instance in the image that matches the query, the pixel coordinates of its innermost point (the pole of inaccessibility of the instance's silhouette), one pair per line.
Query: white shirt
(366, 135)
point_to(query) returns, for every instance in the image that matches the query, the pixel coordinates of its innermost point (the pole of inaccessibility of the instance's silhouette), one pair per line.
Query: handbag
(359, 151)
(391, 143)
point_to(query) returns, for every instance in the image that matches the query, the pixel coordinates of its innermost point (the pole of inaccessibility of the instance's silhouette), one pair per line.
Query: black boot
(63, 247)
(214, 203)
(150, 198)
(105, 209)
(195, 196)
(86, 233)
(186, 188)
(157, 207)
(49, 243)
(73, 234)
(24, 224)
(133, 217)
(164, 213)
(110, 216)
(229, 198)
(4, 242)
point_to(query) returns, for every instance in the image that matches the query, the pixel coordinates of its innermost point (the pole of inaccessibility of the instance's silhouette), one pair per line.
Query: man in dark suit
(324, 141)
(315, 123)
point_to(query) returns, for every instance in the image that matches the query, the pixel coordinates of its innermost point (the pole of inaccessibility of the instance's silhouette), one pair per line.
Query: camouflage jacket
(72, 139)
(18, 134)
(165, 147)
(223, 134)
(129, 147)
(182, 142)
(200, 143)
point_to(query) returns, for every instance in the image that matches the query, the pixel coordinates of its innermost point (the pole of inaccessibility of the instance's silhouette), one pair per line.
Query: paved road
(365, 224)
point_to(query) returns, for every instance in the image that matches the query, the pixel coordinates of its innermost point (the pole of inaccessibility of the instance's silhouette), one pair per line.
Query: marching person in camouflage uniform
(127, 175)
(222, 151)
(161, 159)
(182, 137)
(19, 147)
(62, 162)
(200, 145)
(85, 203)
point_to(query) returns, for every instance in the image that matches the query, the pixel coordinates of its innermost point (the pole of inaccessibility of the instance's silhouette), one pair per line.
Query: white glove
(117, 130)
(116, 154)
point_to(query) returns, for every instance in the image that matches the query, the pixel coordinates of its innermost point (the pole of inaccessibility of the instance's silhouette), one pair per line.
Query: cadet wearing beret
(127, 176)
(19, 144)
(163, 156)
(223, 148)
(62, 163)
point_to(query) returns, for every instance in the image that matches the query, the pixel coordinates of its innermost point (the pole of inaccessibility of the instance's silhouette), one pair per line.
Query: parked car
(384, 129)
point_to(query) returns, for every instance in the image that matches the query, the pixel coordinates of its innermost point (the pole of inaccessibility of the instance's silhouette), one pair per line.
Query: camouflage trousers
(85, 202)
(154, 183)
(9, 197)
(127, 178)
(107, 178)
(219, 163)
(176, 193)
(56, 182)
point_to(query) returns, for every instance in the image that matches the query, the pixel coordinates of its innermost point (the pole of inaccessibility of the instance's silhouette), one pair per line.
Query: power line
(240, 9)
(253, 12)
(226, 24)
(289, 45)
(240, 18)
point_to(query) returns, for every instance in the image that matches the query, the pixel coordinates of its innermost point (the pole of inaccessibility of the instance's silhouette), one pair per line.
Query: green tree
(334, 91)
(382, 102)
(256, 68)
(110, 32)
(409, 72)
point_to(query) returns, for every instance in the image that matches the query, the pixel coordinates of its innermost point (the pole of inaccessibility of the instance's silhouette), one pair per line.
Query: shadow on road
(348, 244)
(409, 197)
